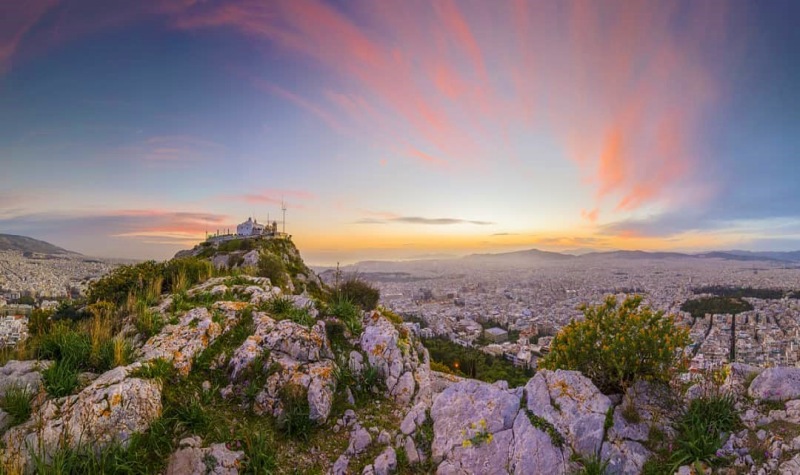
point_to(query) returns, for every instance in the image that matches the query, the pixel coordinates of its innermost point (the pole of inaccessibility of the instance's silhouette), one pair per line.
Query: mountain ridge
(789, 257)
(14, 242)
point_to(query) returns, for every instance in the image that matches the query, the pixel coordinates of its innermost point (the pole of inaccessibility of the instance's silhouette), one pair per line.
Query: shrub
(39, 322)
(17, 403)
(391, 316)
(359, 292)
(61, 378)
(147, 323)
(335, 330)
(69, 310)
(442, 368)
(272, 267)
(617, 343)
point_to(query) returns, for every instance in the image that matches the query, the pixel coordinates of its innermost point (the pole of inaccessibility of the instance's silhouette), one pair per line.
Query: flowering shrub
(618, 343)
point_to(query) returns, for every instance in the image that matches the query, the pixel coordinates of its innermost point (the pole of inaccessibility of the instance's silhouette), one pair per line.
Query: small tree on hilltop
(618, 343)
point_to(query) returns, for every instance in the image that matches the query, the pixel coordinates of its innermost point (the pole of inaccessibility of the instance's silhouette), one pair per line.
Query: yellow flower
(466, 444)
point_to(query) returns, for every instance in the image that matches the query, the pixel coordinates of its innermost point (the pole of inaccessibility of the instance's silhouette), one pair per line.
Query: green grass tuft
(17, 403)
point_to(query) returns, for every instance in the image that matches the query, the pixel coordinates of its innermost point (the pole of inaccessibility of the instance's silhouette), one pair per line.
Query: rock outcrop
(295, 355)
(181, 342)
(397, 358)
(572, 404)
(776, 384)
(192, 458)
(110, 410)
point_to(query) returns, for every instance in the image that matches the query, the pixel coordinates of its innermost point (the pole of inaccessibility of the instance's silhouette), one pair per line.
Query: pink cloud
(590, 215)
(292, 198)
(16, 20)
(624, 90)
(623, 87)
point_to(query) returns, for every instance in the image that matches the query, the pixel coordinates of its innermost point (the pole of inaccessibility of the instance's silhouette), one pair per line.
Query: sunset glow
(397, 129)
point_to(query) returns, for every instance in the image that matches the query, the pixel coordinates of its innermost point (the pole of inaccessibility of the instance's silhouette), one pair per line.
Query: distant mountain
(11, 242)
(790, 256)
(521, 256)
(731, 256)
(636, 255)
(534, 256)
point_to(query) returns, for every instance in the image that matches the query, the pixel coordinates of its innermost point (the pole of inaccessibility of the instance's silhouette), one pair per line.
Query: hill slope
(11, 242)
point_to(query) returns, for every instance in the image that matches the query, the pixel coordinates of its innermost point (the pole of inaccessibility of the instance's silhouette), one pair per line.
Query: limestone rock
(340, 466)
(220, 261)
(386, 462)
(5, 421)
(181, 342)
(404, 389)
(401, 362)
(570, 402)
(216, 460)
(464, 411)
(790, 467)
(298, 355)
(359, 441)
(24, 374)
(776, 384)
(111, 409)
(625, 457)
(533, 450)
(250, 259)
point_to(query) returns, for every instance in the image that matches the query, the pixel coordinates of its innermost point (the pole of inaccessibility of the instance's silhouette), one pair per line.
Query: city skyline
(401, 129)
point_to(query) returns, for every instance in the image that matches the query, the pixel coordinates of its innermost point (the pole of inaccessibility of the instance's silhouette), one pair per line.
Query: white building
(250, 228)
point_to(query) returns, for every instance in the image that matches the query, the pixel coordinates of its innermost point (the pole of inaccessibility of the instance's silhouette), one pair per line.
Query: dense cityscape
(506, 310)
(29, 280)
(527, 306)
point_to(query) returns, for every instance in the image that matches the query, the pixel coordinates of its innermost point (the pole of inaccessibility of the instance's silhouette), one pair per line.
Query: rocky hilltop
(215, 370)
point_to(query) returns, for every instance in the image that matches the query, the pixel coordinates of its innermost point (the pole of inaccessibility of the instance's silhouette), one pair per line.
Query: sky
(401, 129)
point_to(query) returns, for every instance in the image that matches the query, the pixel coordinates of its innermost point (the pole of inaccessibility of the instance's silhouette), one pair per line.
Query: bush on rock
(618, 343)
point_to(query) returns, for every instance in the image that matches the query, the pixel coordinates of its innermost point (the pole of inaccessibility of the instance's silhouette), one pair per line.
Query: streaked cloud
(627, 105)
(96, 233)
(421, 220)
(16, 20)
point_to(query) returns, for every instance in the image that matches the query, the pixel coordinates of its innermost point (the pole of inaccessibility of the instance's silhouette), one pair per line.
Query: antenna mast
(283, 208)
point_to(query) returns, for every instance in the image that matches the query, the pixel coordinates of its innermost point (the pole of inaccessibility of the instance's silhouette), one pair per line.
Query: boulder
(297, 355)
(401, 361)
(776, 384)
(180, 343)
(360, 440)
(624, 457)
(24, 374)
(468, 410)
(570, 402)
(386, 462)
(110, 410)
(250, 259)
(215, 459)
